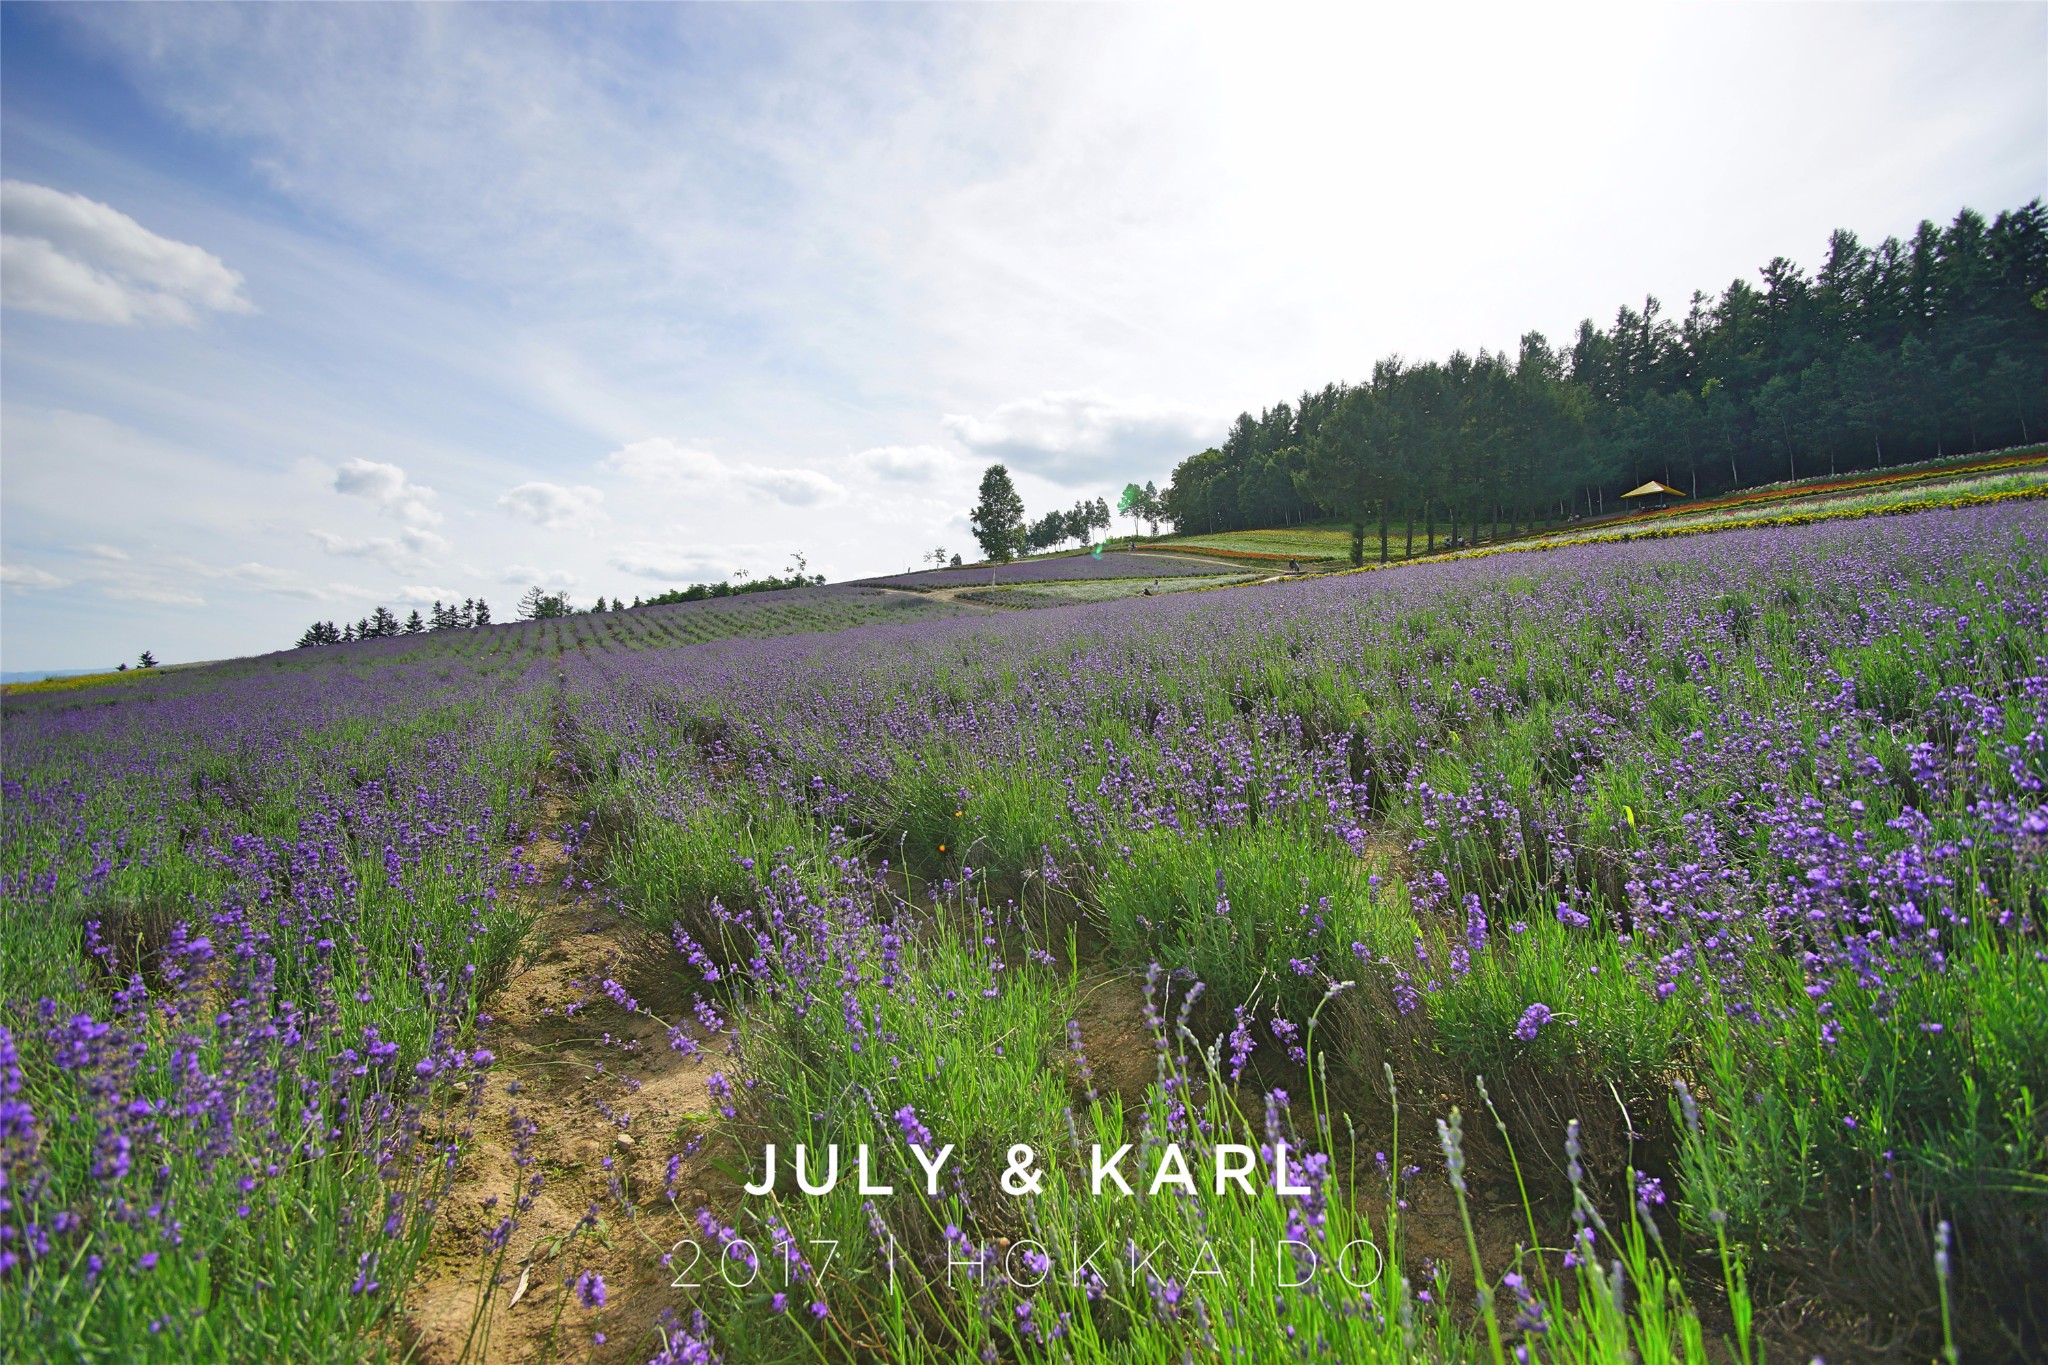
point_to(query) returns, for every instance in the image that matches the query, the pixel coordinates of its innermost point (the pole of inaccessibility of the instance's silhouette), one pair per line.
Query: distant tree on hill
(955, 562)
(1132, 505)
(413, 624)
(1152, 509)
(537, 605)
(998, 518)
(148, 660)
(698, 592)
(482, 615)
(1046, 532)
(1080, 521)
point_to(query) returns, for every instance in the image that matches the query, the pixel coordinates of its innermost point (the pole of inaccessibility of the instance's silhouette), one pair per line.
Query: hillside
(1676, 842)
(1935, 483)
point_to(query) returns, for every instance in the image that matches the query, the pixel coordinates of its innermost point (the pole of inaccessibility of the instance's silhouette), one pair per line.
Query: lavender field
(1720, 860)
(1069, 568)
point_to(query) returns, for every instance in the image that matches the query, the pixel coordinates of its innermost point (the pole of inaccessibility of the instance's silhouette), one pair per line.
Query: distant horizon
(312, 310)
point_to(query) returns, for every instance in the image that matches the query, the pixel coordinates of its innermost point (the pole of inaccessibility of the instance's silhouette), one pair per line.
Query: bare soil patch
(609, 1102)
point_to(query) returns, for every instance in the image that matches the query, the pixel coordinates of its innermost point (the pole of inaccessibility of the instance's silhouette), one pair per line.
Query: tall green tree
(1131, 504)
(998, 518)
(1906, 350)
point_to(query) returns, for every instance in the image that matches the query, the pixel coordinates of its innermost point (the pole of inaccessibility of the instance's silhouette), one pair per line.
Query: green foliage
(1268, 912)
(998, 518)
(1887, 354)
(700, 592)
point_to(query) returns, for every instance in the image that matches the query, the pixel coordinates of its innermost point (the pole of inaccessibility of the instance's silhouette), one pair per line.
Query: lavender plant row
(1761, 812)
(1758, 812)
(1058, 569)
(249, 928)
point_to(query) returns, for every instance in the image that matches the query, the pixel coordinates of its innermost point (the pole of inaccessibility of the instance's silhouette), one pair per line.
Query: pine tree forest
(1901, 352)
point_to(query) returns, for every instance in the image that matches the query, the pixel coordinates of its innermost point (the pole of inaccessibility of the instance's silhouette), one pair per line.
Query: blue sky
(311, 308)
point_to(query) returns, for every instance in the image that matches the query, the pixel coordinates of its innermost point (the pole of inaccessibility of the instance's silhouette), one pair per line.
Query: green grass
(1937, 492)
(1316, 542)
(1096, 590)
(1378, 819)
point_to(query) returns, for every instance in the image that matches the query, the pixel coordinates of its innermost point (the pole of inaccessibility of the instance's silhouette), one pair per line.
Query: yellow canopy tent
(1652, 489)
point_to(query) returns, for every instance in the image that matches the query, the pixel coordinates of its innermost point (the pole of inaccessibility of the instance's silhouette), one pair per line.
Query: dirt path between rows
(604, 1102)
(959, 597)
(952, 595)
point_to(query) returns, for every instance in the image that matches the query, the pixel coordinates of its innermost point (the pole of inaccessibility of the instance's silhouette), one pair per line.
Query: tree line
(1908, 350)
(1003, 531)
(698, 592)
(383, 624)
(537, 604)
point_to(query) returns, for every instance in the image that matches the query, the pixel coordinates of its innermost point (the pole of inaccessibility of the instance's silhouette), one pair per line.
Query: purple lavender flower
(914, 1132)
(1532, 1021)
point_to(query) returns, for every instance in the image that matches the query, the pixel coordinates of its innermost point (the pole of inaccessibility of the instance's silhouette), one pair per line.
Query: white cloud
(660, 460)
(25, 578)
(907, 464)
(409, 549)
(664, 463)
(796, 487)
(283, 582)
(1083, 436)
(164, 594)
(111, 553)
(670, 564)
(386, 485)
(71, 257)
(427, 595)
(552, 505)
(526, 576)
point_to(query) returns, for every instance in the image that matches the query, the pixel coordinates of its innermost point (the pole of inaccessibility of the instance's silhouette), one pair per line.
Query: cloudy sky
(308, 308)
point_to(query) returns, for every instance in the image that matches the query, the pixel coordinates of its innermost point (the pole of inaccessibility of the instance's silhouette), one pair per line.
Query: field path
(607, 1099)
(949, 595)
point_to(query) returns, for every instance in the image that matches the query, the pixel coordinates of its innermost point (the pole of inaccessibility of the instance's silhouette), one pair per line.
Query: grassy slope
(758, 615)
(989, 1066)
(1934, 483)
(1097, 590)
